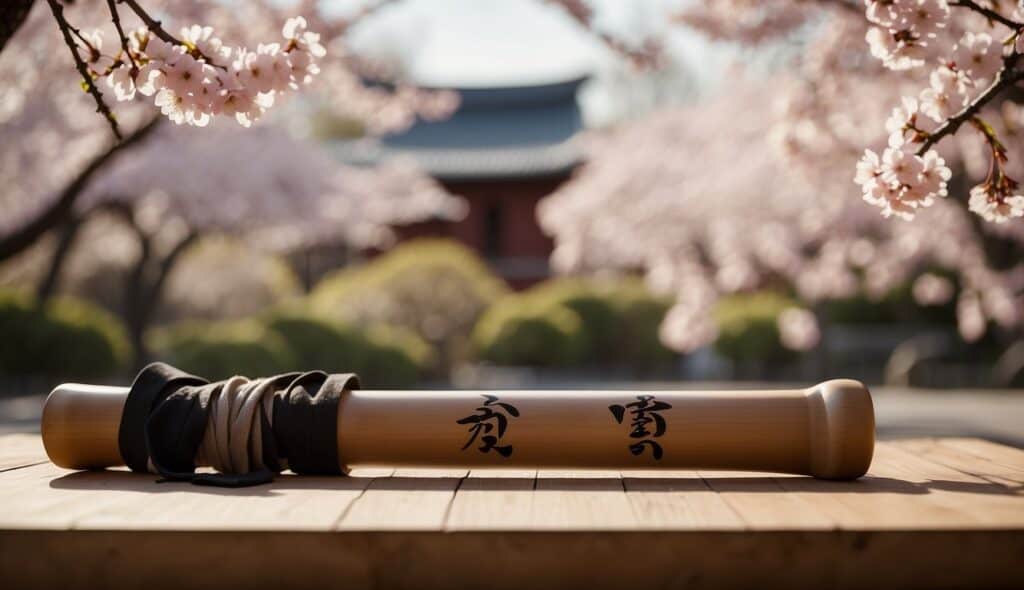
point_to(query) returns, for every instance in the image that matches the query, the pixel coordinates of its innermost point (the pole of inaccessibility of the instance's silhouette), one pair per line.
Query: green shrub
(290, 341)
(897, 306)
(638, 342)
(434, 288)
(517, 331)
(218, 350)
(316, 344)
(748, 328)
(382, 356)
(618, 322)
(64, 338)
(597, 312)
(398, 358)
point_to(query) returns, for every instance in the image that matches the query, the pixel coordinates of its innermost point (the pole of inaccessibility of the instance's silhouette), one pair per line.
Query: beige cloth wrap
(233, 440)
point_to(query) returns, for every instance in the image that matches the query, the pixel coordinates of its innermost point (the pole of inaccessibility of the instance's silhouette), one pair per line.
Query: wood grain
(580, 500)
(19, 450)
(930, 513)
(493, 499)
(409, 500)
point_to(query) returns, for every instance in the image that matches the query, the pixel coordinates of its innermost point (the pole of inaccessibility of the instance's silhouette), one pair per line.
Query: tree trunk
(23, 237)
(48, 286)
(12, 14)
(134, 301)
(143, 291)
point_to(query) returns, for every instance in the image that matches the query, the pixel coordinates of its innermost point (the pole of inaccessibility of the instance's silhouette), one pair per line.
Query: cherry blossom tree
(277, 193)
(43, 111)
(738, 192)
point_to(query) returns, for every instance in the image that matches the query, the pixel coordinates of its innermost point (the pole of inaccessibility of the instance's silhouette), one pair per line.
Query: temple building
(503, 150)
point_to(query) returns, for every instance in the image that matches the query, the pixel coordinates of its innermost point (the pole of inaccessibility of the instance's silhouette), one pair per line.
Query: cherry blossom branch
(83, 69)
(156, 27)
(988, 13)
(116, 18)
(1006, 77)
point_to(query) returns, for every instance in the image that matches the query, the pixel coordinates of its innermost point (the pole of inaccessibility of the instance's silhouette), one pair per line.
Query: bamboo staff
(826, 431)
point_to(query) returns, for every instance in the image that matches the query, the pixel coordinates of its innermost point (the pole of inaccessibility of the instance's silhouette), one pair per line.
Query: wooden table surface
(932, 513)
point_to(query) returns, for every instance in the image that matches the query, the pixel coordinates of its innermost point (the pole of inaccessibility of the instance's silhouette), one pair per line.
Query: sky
(468, 43)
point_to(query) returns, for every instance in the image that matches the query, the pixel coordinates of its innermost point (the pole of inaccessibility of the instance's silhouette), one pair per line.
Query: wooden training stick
(826, 431)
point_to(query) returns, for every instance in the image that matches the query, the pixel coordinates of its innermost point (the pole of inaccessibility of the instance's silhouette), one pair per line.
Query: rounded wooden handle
(826, 431)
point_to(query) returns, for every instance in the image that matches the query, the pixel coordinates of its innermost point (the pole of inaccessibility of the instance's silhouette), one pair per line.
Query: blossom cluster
(900, 181)
(908, 34)
(905, 30)
(198, 77)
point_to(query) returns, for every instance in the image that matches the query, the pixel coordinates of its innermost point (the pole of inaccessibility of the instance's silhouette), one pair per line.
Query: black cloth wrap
(167, 410)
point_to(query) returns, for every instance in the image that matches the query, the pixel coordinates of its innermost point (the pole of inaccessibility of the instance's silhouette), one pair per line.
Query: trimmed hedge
(573, 322)
(64, 338)
(748, 327)
(291, 341)
(437, 289)
(516, 331)
(897, 306)
(382, 356)
(218, 350)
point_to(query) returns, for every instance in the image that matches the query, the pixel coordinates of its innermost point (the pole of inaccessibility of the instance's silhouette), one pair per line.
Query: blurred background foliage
(748, 327)
(575, 322)
(63, 338)
(416, 314)
(434, 288)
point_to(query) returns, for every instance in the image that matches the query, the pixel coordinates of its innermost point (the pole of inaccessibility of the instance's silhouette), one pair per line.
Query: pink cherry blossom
(946, 94)
(993, 206)
(798, 329)
(185, 76)
(932, 289)
(120, 80)
(978, 56)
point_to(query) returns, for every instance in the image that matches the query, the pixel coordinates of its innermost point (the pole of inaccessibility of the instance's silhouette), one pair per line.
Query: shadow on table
(117, 480)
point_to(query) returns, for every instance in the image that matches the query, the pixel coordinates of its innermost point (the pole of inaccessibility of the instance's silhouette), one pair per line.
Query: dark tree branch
(1006, 78)
(68, 232)
(12, 15)
(155, 291)
(156, 27)
(988, 13)
(116, 18)
(59, 210)
(83, 70)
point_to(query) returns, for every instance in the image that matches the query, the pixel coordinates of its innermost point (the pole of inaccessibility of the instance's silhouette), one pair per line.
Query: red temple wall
(501, 226)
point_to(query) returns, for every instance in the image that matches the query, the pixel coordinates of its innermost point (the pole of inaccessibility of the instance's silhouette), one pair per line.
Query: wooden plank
(50, 497)
(876, 503)
(21, 450)
(951, 456)
(512, 560)
(892, 496)
(996, 453)
(759, 500)
(949, 497)
(291, 503)
(45, 496)
(580, 500)
(493, 500)
(677, 500)
(409, 500)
